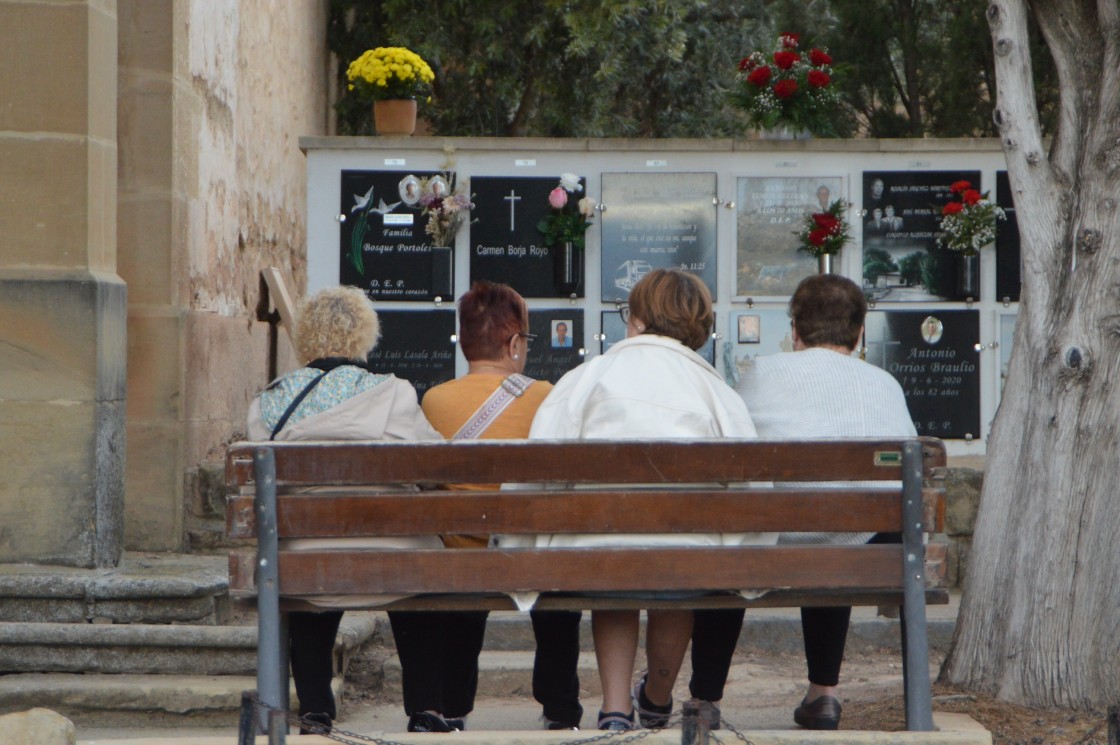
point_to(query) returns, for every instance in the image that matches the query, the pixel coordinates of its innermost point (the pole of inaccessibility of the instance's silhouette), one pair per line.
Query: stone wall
(962, 501)
(213, 99)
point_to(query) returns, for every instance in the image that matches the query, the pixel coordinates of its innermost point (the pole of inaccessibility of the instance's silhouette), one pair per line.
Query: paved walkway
(766, 682)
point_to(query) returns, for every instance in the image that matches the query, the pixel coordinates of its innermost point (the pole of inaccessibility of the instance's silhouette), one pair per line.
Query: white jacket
(645, 387)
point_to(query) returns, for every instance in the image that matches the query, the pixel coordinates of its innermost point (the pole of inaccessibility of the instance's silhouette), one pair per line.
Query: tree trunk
(1040, 617)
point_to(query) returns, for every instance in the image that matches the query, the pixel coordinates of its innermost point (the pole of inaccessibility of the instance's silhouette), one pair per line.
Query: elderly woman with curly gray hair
(334, 397)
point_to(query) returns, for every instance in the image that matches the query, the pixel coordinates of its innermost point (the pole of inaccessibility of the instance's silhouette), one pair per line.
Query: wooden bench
(662, 486)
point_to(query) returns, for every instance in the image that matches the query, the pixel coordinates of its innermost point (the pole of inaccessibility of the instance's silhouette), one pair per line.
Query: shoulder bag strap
(511, 388)
(295, 402)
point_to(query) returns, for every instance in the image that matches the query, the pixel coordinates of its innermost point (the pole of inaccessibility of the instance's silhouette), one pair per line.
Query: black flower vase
(968, 276)
(567, 268)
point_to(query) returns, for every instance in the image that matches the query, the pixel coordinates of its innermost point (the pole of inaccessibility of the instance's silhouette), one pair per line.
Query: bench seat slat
(816, 509)
(589, 569)
(582, 461)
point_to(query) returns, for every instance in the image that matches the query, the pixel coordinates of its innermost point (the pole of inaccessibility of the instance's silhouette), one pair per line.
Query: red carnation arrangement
(825, 232)
(968, 223)
(788, 88)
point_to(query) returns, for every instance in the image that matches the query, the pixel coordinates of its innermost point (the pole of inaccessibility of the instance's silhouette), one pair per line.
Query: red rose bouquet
(968, 223)
(825, 232)
(787, 87)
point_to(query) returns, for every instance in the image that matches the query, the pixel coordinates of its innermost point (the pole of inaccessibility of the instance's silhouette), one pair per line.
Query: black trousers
(715, 635)
(439, 659)
(311, 647)
(556, 665)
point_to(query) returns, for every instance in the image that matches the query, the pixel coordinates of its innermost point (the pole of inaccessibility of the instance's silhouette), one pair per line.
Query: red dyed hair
(489, 314)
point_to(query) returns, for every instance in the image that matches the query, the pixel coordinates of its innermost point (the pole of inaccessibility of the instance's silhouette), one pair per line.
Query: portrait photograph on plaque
(506, 244)
(769, 211)
(901, 215)
(1009, 261)
(759, 331)
(558, 346)
(614, 331)
(657, 221)
(416, 346)
(383, 246)
(934, 357)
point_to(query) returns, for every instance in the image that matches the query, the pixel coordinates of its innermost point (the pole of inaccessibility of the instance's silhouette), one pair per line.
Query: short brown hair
(828, 309)
(489, 314)
(674, 303)
(336, 322)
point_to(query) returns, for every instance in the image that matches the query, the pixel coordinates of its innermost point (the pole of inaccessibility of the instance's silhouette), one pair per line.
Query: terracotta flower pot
(395, 116)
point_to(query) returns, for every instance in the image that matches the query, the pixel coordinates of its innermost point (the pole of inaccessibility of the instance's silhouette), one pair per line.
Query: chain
(733, 731)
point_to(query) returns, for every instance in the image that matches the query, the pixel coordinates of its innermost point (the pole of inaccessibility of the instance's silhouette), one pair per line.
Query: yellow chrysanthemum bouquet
(390, 72)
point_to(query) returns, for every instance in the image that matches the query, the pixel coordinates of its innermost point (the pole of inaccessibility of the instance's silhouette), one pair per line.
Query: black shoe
(423, 721)
(616, 721)
(320, 723)
(824, 713)
(557, 726)
(650, 714)
(458, 724)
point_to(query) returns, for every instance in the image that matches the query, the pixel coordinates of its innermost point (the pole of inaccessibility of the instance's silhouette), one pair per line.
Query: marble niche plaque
(416, 346)
(559, 344)
(934, 357)
(769, 211)
(901, 222)
(506, 245)
(657, 221)
(382, 244)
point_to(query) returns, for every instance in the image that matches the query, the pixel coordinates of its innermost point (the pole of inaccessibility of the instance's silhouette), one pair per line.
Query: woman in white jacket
(650, 385)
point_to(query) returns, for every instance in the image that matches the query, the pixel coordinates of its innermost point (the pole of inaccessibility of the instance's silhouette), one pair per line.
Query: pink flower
(558, 197)
(819, 57)
(818, 79)
(785, 88)
(759, 76)
(786, 59)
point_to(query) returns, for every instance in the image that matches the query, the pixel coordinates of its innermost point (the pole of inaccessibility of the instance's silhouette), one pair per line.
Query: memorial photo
(657, 221)
(558, 346)
(901, 219)
(750, 329)
(561, 336)
(769, 213)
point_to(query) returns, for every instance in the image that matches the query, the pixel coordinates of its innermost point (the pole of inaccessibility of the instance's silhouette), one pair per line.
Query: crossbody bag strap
(295, 403)
(511, 388)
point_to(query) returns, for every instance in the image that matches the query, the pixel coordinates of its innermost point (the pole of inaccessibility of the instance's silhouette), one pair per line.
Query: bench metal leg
(270, 639)
(915, 640)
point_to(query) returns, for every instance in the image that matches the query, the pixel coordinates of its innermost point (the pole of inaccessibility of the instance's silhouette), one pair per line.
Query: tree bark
(1040, 617)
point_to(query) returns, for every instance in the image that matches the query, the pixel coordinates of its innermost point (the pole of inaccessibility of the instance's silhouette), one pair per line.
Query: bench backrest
(664, 486)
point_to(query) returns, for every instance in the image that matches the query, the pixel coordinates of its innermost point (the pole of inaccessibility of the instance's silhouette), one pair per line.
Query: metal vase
(568, 269)
(968, 276)
(824, 264)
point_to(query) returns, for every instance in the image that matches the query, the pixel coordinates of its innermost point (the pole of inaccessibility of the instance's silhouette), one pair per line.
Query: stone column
(62, 305)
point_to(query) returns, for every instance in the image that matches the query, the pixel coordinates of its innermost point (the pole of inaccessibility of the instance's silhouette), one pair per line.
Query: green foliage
(910, 269)
(665, 68)
(876, 263)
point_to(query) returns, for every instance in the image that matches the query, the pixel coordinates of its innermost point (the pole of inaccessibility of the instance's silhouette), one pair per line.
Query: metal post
(247, 725)
(915, 649)
(269, 675)
(695, 722)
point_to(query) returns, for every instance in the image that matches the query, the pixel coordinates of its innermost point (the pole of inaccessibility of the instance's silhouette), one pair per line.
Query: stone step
(143, 588)
(152, 649)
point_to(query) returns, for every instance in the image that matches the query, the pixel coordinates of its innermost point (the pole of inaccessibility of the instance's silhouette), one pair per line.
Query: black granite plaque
(383, 247)
(416, 346)
(656, 221)
(559, 344)
(614, 331)
(769, 211)
(933, 356)
(1009, 264)
(901, 221)
(506, 245)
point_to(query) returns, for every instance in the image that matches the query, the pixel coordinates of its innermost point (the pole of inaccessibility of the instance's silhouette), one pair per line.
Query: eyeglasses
(624, 312)
(527, 336)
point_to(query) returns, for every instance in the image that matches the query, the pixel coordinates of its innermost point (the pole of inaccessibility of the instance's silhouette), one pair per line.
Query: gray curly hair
(336, 322)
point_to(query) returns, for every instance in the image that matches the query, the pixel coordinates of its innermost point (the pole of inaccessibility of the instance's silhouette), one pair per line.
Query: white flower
(587, 207)
(570, 182)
